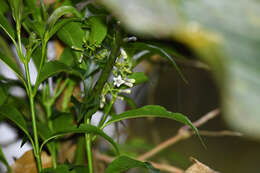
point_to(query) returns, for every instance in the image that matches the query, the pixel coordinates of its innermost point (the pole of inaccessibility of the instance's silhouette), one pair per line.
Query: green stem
(34, 125)
(88, 148)
(50, 125)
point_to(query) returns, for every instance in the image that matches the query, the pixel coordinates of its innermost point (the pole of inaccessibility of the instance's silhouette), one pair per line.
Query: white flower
(118, 81)
(129, 84)
(123, 53)
(127, 91)
(130, 81)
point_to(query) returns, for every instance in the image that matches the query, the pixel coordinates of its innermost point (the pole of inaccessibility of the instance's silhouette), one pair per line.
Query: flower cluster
(121, 73)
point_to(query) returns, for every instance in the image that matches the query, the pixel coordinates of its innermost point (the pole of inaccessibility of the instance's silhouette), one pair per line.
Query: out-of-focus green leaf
(50, 69)
(62, 122)
(60, 12)
(67, 169)
(12, 65)
(4, 161)
(124, 163)
(3, 7)
(152, 111)
(98, 30)
(139, 77)
(3, 94)
(11, 113)
(82, 129)
(229, 43)
(67, 56)
(34, 9)
(7, 27)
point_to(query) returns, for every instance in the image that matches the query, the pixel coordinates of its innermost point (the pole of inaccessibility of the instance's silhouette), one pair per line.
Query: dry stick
(219, 133)
(183, 133)
(162, 167)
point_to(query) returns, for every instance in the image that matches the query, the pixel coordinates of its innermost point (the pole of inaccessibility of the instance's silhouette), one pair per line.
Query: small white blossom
(127, 91)
(130, 80)
(123, 53)
(101, 105)
(129, 84)
(118, 81)
(121, 98)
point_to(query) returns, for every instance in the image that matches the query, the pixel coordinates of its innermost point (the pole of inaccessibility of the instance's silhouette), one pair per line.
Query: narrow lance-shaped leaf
(82, 129)
(124, 163)
(15, 116)
(4, 161)
(12, 65)
(153, 111)
(156, 50)
(60, 12)
(7, 27)
(50, 69)
(59, 25)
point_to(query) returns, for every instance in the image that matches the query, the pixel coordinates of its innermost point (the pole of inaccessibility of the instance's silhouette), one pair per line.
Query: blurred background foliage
(225, 34)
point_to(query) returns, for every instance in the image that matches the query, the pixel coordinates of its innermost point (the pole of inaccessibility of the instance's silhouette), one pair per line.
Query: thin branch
(162, 167)
(183, 133)
(220, 133)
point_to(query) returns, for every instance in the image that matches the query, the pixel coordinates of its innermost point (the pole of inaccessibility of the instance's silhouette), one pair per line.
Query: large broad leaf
(51, 68)
(60, 12)
(70, 38)
(152, 111)
(98, 30)
(124, 163)
(223, 33)
(82, 129)
(11, 113)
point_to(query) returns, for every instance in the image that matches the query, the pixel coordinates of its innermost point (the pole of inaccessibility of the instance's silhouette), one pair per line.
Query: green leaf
(3, 94)
(63, 121)
(60, 12)
(11, 113)
(139, 77)
(4, 7)
(34, 9)
(156, 50)
(51, 68)
(17, 9)
(12, 65)
(67, 56)
(82, 129)
(70, 38)
(124, 163)
(153, 111)
(4, 161)
(59, 25)
(98, 30)
(7, 27)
